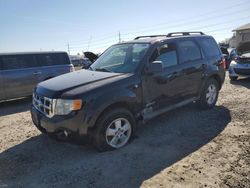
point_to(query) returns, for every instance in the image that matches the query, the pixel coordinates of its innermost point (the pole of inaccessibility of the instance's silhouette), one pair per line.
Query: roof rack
(171, 34)
(149, 36)
(184, 33)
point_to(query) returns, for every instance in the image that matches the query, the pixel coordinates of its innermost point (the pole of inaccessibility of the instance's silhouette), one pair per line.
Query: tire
(233, 78)
(114, 129)
(209, 95)
(42, 130)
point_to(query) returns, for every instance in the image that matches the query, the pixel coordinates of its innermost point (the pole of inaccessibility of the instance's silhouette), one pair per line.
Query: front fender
(97, 105)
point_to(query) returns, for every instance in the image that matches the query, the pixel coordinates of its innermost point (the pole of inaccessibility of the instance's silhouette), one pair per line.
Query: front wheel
(209, 94)
(114, 129)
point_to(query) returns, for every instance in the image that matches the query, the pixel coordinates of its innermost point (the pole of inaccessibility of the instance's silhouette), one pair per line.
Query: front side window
(122, 58)
(166, 54)
(189, 51)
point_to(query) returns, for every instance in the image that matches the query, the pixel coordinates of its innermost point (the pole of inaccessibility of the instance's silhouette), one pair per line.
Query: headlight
(64, 107)
(233, 63)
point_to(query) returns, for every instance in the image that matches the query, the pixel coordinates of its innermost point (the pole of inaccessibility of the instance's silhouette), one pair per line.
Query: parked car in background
(81, 61)
(232, 53)
(86, 63)
(76, 60)
(91, 56)
(240, 66)
(226, 56)
(130, 82)
(21, 72)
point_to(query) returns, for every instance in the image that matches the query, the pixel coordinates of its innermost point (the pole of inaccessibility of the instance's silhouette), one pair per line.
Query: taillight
(224, 64)
(72, 69)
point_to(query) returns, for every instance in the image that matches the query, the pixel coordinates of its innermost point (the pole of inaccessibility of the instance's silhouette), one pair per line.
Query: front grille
(242, 71)
(44, 105)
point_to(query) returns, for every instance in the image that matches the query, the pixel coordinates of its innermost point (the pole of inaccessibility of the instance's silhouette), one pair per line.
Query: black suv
(130, 82)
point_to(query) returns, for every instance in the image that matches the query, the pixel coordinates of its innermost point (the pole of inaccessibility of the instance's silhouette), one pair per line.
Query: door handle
(37, 73)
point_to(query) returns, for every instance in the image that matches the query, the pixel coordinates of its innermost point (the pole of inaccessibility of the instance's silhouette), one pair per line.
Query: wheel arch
(217, 78)
(119, 104)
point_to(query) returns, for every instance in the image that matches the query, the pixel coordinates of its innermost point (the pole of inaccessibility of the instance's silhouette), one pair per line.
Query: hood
(66, 82)
(91, 56)
(243, 47)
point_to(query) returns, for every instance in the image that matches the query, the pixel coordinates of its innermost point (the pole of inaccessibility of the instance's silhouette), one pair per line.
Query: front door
(162, 89)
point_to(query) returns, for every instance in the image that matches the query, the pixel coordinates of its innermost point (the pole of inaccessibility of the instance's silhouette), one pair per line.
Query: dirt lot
(183, 148)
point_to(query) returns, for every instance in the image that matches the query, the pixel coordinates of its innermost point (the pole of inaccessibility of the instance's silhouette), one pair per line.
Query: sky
(77, 25)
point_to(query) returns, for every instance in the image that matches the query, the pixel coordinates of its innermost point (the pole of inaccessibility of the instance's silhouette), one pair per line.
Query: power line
(188, 23)
(175, 26)
(169, 24)
(196, 16)
(196, 28)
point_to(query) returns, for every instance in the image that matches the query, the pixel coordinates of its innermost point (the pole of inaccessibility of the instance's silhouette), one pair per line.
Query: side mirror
(155, 67)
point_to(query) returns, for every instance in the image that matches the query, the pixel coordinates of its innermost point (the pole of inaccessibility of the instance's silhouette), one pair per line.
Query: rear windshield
(22, 61)
(209, 46)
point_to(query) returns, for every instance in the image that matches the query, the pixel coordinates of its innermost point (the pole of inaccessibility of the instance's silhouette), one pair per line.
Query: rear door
(192, 66)
(213, 56)
(18, 75)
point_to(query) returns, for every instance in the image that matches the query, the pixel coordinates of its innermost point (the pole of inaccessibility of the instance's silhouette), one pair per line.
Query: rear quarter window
(209, 47)
(53, 59)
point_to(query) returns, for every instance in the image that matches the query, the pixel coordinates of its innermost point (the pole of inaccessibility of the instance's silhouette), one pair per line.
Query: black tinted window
(210, 47)
(167, 54)
(189, 51)
(52, 59)
(10, 62)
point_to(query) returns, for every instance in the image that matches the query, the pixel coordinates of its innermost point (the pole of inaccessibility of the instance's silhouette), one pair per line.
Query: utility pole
(90, 39)
(119, 35)
(68, 49)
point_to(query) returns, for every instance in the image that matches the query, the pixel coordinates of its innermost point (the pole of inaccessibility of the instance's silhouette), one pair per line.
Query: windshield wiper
(90, 68)
(103, 70)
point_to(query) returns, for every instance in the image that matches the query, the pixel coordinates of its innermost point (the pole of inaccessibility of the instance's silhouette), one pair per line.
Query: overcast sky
(32, 25)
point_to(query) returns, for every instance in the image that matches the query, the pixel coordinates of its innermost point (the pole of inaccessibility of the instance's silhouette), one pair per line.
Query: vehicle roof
(153, 40)
(38, 52)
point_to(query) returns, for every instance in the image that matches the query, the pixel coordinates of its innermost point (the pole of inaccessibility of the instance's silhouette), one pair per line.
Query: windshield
(122, 58)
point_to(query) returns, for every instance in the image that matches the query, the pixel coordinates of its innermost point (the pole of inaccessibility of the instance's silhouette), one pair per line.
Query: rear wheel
(233, 78)
(209, 94)
(114, 129)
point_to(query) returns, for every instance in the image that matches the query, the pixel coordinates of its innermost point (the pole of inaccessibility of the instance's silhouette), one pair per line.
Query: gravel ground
(182, 148)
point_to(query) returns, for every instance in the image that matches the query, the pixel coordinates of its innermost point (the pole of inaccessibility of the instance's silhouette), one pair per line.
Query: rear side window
(10, 62)
(189, 51)
(166, 54)
(209, 46)
(52, 59)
